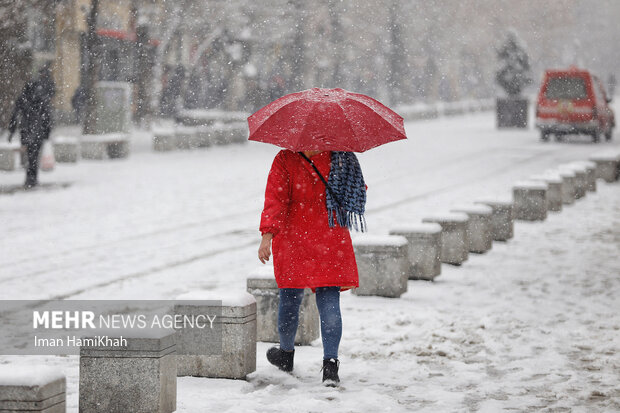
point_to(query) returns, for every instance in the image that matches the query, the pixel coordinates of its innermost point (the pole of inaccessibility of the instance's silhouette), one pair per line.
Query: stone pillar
(137, 377)
(554, 190)
(66, 149)
(454, 242)
(479, 233)
(581, 180)
(233, 353)
(424, 249)
(607, 165)
(262, 285)
(530, 201)
(25, 388)
(382, 265)
(568, 186)
(502, 221)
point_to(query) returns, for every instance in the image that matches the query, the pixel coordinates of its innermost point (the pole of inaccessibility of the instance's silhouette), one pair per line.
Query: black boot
(330, 372)
(281, 359)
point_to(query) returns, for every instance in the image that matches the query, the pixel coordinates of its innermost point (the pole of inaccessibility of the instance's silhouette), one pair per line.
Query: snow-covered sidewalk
(533, 325)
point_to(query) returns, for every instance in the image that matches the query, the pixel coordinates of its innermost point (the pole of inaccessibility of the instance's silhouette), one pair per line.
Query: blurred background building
(240, 54)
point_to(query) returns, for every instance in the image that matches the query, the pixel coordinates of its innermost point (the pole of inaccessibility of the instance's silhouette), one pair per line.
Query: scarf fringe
(346, 192)
(347, 219)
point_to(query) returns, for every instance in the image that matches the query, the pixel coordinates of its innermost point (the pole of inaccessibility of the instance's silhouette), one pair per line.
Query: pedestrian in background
(33, 116)
(78, 102)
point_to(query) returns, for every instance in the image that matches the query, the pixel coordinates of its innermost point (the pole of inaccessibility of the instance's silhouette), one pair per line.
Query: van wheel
(544, 136)
(596, 136)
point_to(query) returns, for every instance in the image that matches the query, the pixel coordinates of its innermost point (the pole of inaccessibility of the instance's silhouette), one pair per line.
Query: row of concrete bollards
(449, 238)
(202, 136)
(70, 149)
(141, 375)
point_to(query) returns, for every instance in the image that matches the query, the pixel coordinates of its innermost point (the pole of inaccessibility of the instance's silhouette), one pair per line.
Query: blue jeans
(328, 303)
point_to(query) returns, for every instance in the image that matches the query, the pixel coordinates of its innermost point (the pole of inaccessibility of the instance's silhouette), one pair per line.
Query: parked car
(573, 101)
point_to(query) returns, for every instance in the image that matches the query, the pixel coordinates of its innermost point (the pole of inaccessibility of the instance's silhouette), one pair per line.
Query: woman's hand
(264, 250)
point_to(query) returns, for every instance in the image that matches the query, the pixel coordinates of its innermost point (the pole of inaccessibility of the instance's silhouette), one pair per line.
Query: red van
(573, 101)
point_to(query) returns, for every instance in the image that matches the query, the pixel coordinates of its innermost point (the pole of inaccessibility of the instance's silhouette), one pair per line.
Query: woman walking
(312, 200)
(315, 195)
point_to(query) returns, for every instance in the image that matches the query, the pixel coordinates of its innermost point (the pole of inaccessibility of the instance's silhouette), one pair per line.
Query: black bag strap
(329, 189)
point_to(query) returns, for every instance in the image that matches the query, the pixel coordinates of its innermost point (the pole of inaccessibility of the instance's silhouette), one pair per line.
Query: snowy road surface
(531, 325)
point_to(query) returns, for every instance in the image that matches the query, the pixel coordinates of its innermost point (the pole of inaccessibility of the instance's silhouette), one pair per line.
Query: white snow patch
(28, 375)
(424, 228)
(228, 299)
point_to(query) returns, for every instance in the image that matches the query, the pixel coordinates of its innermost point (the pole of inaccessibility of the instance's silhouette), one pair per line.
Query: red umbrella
(326, 119)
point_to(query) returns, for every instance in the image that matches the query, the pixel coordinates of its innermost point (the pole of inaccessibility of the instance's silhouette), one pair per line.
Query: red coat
(306, 251)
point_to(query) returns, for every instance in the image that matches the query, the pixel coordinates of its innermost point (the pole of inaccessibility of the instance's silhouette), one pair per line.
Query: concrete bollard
(382, 265)
(235, 327)
(139, 376)
(203, 136)
(530, 201)
(220, 134)
(554, 189)
(164, 139)
(454, 242)
(186, 137)
(92, 149)
(118, 149)
(568, 185)
(262, 285)
(590, 174)
(239, 132)
(114, 145)
(8, 156)
(424, 249)
(502, 221)
(607, 165)
(66, 149)
(581, 180)
(479, 233)
(32, 389)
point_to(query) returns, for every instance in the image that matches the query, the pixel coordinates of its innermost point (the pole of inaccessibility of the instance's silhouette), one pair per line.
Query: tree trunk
(337, 40)
(144, 74)
(299, 51)
(395, 57)
(92, 46)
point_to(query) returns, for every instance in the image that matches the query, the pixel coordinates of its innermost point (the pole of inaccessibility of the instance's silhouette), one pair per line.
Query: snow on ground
(529, 326)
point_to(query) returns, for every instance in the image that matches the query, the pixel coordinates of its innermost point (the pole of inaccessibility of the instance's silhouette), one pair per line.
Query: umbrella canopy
(326, 120)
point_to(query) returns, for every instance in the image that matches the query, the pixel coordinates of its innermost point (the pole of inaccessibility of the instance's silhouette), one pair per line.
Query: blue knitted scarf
(346, 184)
